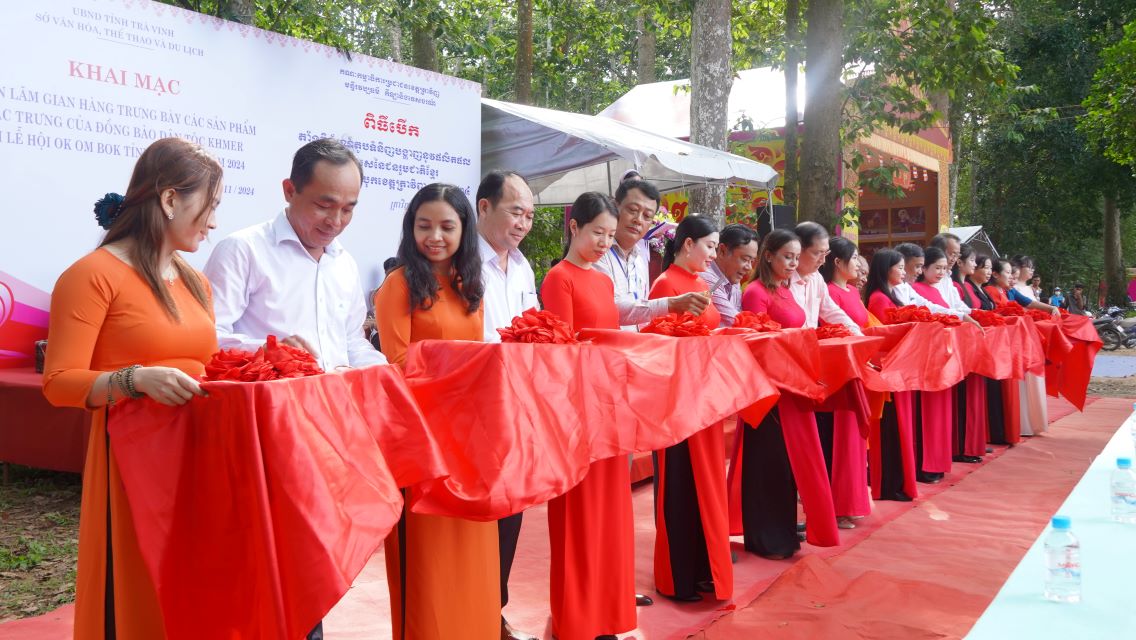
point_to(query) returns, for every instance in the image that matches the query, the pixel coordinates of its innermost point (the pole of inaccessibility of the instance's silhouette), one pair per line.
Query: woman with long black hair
(971, 422)
(591, 527)
(845, 448)
(768, 483)
(692, 540)
(891, 438)
(1034, 406)
(443, 573)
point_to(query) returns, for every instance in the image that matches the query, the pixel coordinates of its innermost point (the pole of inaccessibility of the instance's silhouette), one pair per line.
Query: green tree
(1110, 108)
(1036, 183)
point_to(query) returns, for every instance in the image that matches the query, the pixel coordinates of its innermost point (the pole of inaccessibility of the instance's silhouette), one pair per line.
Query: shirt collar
(489, 255)
(718, 275)
(627, 256)
(283, 232)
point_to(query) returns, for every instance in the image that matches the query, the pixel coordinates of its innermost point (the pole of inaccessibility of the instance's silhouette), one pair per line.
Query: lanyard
(626, 274)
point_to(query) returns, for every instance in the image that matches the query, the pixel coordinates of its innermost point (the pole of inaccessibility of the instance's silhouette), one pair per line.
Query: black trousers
(508, 532)
(891, 457)
(690, 562)
(826, 425)
(769, 491)
(960, 419)
(995, 412)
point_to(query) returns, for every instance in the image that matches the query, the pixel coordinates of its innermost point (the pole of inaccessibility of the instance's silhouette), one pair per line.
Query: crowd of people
(133, 319)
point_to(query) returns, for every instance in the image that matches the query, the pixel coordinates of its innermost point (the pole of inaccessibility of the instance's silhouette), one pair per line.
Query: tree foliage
(1110, 108)
(1029, 176)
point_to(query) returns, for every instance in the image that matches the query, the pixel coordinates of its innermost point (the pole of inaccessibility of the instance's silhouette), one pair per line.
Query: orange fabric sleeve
(79, 305)
(556, 295)
(393, 318)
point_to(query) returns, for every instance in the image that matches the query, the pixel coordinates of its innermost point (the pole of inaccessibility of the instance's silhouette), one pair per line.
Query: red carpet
(907, 571)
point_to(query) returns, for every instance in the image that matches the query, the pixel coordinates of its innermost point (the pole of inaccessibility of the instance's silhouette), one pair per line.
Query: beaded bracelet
(110, 387)
(126, 381)
(129, 374)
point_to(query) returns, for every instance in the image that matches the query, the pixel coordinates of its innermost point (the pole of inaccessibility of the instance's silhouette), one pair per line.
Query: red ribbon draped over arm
(257, 506)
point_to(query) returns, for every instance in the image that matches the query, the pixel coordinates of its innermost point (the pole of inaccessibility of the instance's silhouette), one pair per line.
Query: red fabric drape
(519, 424)
(1069, 375)
(256, 507)
(928, 357)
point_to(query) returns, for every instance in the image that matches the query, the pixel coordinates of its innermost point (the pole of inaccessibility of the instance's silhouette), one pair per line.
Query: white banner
(88, 84)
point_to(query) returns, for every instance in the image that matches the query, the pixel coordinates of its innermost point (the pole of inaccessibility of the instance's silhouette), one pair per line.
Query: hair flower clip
(107, 209)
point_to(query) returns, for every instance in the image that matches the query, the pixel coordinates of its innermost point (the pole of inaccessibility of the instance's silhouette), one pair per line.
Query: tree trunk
(424, 54)
(243, 11)
(522, 76)
(820, 149)
(710, 80)
(792, 65)
(972, 166)
(1113, 252)
(395, 31)
(645, 54)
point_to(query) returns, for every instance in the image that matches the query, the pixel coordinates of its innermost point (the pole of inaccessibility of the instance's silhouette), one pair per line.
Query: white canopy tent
(757, 95)
(976, 237)
(565, 154)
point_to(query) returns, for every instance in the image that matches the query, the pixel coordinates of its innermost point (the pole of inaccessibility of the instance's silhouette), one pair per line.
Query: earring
(169, 215)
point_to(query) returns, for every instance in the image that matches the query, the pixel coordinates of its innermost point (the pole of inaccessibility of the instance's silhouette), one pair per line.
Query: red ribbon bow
(760, 322)
(273, 361)
(538, 327)
(678, 325)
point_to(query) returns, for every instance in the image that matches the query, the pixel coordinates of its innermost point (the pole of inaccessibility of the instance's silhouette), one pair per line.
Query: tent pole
(608, 165)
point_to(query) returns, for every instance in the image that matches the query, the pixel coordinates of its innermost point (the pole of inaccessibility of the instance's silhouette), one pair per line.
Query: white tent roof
(565, 154)
(664, 107)
(975, 236)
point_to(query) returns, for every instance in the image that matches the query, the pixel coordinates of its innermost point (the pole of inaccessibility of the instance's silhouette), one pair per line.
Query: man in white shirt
(737, 255)
(290, 276)
(807, 285)
(627, 262)
(504, 218)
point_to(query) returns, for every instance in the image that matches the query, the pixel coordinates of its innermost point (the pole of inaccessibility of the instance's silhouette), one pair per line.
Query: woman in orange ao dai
(443, 573)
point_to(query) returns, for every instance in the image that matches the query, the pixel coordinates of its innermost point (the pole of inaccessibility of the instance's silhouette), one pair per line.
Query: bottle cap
(1061, 522)
(1124, 463)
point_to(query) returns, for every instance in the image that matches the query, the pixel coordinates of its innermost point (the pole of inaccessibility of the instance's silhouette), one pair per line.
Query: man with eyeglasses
(627, 262)
(808, 286)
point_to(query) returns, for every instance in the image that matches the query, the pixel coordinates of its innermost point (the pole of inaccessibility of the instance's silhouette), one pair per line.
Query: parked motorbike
(1111, 335)
(1127, 326)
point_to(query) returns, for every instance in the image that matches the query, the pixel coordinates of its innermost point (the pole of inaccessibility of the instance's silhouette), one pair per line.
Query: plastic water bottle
(1063, 561)
(1123, 487)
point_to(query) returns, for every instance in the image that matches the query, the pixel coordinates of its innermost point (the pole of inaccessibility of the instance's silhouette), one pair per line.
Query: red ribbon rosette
(1038, 314)
(538, 327)
(901, 315)
(832, 331)
(1010, 309)
(273, 361)
(678, 325)
(760, 322)
(987, 318)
